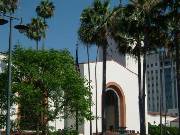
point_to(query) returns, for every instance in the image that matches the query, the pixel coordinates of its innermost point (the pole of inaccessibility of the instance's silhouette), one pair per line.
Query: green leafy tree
(45, 84)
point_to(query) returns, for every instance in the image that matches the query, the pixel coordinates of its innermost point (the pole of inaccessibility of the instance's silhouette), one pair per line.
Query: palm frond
(93, 20)
(45, 9)
(36, 29)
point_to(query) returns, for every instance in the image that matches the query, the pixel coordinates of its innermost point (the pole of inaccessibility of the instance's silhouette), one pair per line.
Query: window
(151, 65)
(156, 64)
(167, 63)
(161, 64)
(147, 65)
(156, 71)
(152, 78)
(151, 71)
(157, 90)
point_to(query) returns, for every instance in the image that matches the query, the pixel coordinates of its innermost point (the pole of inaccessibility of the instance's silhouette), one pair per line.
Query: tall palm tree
(171, 11)
(93, 30)
(45, 10)
(96, 116)
(129, 38)
(129, 29)
(8, 6)
(36, 30)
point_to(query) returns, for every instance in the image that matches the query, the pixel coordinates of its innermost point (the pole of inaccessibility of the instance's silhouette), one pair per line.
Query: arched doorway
(111, 109)
(115, 107)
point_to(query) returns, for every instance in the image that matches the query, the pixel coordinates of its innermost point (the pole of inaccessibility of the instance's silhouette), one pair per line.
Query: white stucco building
(121, 105)
(121, 83)
(121, 96)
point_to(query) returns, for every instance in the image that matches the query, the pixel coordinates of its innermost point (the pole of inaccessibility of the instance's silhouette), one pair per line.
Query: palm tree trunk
(176, 41)
(89, 87)
(77, 68)
(104, 89)
(146, 44)
(43, 37)
(178, 73)
(143, 96)
(43, 43)
(139, 84)
(45, 116)
(96, 88)
(37, 45)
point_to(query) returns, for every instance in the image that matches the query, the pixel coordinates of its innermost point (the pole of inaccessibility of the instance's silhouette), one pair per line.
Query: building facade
(121, 95)
(161, 83)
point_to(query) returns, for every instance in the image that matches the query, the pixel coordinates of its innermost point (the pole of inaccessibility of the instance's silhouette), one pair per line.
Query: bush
(155, 130)
(67, 131)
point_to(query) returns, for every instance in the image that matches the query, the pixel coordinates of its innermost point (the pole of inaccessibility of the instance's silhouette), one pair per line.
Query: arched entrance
(111, 109)
(115, 108)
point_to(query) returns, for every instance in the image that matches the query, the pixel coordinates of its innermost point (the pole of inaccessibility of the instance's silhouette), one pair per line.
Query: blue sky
(62, 31)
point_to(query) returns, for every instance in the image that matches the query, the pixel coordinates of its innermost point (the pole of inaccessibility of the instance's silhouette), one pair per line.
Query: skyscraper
(161, 81)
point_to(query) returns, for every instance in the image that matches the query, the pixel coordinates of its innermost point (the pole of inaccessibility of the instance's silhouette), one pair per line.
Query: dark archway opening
(111, 110)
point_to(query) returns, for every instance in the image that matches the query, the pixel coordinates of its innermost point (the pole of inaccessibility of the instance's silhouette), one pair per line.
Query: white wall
(155, 119)
(127, 80)
(113, 53)
(57, 124)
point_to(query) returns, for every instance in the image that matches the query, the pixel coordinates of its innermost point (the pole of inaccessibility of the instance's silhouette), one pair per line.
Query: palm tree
(8, 5)
(36, 30)
(45, 10)
(129, 38)
(129, 29)
(171, 23)
(93, 30)
(171, 13)
(96, 116)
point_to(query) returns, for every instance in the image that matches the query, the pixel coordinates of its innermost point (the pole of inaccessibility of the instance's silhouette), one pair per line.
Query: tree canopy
(37, 72)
